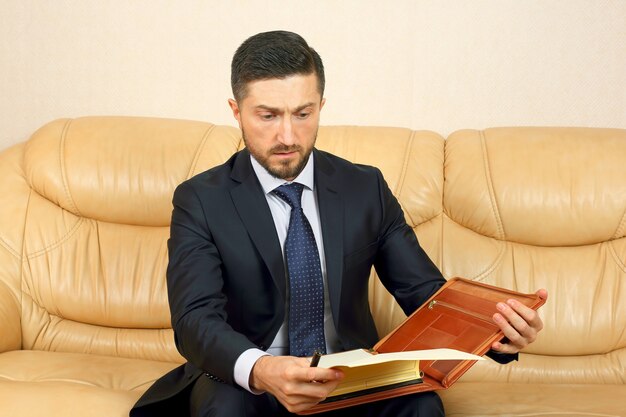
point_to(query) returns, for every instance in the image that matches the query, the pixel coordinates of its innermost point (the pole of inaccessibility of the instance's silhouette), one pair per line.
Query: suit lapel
(330, 206)
(251, 205)
(254, 212)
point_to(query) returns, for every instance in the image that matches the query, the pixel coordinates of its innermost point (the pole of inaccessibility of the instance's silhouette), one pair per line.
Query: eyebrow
(277, 110)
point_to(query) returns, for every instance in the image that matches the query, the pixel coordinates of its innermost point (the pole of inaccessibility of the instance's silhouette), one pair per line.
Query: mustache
(285, 149)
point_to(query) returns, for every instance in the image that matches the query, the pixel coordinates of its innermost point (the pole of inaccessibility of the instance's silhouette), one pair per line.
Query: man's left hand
(520, 324)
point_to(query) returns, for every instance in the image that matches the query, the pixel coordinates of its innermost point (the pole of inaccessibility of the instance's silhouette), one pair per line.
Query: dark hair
(276, 54)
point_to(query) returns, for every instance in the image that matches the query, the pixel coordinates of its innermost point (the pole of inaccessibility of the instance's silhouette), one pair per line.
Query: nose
(285, 134)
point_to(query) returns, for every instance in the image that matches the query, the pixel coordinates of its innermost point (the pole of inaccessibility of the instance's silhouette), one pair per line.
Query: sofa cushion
(486, 399)
(73, 384)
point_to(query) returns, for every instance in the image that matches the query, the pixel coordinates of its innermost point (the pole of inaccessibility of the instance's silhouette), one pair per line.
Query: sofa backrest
(86, 207)
(89, 217)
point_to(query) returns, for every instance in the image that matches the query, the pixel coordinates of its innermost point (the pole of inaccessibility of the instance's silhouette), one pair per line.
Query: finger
(504, 347)
(524, 311)
(298, 391)
(530, 317)
(515, 338)
(296, 403)
(301, 395)
(311, 391)
(542, 293)
(524, 320)
(323, 374)
(308, 374)
(518, 322)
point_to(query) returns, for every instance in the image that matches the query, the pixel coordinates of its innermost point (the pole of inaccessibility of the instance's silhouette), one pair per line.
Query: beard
(287, 169)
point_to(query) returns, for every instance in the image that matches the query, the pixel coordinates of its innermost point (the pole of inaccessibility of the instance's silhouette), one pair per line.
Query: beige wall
(429, 64)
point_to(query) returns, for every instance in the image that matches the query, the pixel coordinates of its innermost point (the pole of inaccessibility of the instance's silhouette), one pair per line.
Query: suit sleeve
(402, 265)
(404, 268)
(194, 283)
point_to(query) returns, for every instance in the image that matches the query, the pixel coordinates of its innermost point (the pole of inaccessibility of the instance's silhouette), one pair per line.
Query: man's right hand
(293, 381)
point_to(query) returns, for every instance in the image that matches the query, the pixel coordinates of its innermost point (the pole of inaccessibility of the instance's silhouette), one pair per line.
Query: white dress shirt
(281, 212)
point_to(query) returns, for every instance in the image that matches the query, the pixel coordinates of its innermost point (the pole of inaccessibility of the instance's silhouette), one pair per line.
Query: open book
(432, 342)
(367, 371)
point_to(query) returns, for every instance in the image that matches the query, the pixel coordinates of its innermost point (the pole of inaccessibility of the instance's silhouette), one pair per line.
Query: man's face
(279, 120)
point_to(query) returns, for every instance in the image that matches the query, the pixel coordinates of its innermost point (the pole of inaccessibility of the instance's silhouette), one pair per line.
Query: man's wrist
(244, 367)
(254, 381)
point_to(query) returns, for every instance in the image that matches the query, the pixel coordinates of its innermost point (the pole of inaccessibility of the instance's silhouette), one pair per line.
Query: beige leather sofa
(84, 213)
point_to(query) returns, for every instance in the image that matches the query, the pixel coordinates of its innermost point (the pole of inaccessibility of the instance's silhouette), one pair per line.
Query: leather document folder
(458, 316)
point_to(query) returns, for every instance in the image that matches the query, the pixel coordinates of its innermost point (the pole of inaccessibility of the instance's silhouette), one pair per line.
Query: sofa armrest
(14, 200)
(10, 327)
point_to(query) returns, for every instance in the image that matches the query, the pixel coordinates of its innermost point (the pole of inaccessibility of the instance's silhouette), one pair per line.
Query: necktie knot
(290, 193)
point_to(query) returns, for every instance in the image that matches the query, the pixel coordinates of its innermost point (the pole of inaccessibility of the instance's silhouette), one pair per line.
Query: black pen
(315, 359)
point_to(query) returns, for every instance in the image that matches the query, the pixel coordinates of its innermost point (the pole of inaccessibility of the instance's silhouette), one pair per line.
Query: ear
(322, 103)
(235, 109)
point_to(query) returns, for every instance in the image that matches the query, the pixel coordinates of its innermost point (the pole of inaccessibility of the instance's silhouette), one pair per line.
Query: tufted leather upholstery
(84, 214)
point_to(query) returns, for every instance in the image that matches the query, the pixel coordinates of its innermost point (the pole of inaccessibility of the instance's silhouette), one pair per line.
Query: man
(270, 255)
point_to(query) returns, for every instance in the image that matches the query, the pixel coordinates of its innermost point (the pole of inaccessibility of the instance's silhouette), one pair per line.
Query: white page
(343, 358)
(360, 357)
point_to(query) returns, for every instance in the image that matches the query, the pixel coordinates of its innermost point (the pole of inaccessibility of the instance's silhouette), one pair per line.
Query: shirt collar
(270, 182)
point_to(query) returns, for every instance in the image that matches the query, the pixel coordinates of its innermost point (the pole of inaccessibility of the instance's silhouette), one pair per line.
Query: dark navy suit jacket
(226, 278)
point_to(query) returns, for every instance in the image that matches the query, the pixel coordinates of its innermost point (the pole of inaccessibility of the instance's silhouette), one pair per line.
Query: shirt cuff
(243, 368)
(502, 358)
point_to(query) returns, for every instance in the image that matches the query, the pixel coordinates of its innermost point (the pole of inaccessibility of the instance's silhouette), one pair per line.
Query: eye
(267, 116)
(304, 114)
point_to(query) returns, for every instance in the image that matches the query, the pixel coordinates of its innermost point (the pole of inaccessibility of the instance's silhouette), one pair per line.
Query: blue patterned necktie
(306, 286)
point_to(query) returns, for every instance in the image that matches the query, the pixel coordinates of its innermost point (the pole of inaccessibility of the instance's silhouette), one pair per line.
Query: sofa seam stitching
(23, 261)
(407, 154)
(492, 197)
(502, 245)
(38, 339)
(59, 242)
(620, 227)
(196, 157)
(614, 255)
(68, 193)
(8, 247)
(430, 219)
(402, 177)
(497, 261)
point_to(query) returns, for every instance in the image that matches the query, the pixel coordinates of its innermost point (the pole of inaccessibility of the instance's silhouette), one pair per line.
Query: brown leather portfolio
(458, 316)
